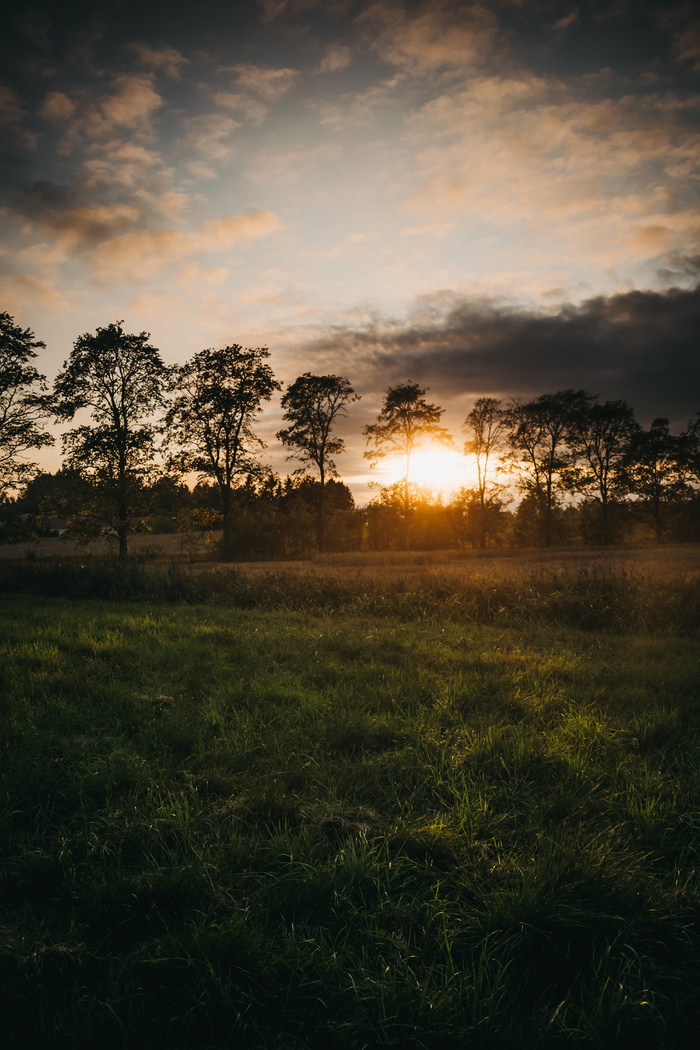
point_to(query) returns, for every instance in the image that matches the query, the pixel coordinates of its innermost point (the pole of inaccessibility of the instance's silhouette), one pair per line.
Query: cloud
(606, 177)
(264, 81)
(276, 9)
(255, 89)
(207, 135)
(680, 269)
(57, 106)
(683, 25)
(128, 106)
(163, 59)
(564, 23)
(435, 37)
(338, 56)
(218, 234)
(90, 117)
(22, 291)
(132, 102)
(11, 110)
(121, 163)
(640, 346)
(55, 209)
(140, 254)
(251, 109)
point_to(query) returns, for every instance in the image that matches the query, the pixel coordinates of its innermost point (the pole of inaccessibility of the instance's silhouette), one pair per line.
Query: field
(375, 801)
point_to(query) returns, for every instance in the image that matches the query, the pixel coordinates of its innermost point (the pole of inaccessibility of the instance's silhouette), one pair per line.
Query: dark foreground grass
(229, 827)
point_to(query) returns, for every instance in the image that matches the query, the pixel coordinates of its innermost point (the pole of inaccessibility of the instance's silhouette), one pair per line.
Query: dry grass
(677, 561)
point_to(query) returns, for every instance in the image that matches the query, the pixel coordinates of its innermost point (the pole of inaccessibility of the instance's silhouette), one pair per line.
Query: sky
(496, 199)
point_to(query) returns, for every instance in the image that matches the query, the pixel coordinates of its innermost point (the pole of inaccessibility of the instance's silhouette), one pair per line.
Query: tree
(218, 394)
(691, 446)
(406, 419)
(656, 472)
(479, 520)
(122, 381)
(485, 429)
(22, 407)
(312, 405)
(538, 433)
(599, 436)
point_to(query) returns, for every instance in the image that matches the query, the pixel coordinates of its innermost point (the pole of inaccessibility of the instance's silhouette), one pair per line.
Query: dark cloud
(69, 212)
(680, 269)
(643, 346)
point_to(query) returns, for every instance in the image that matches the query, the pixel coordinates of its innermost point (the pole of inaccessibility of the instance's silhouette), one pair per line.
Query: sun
(435, 467)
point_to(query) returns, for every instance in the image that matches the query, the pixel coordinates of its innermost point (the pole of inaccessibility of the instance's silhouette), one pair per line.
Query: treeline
(585, 471)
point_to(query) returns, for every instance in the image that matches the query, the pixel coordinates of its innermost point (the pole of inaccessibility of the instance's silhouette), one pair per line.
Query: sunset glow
(442, 470)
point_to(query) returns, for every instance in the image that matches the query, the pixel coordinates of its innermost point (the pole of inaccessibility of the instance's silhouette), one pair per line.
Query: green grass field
(351, 810)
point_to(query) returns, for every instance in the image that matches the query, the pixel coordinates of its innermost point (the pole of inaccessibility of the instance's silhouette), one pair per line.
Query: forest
(173, 449)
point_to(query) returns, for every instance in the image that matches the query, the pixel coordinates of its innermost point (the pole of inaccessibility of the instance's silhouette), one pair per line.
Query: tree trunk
(227, 540)
(482, 524)
(321, 515)
(605, 523)
(548, 509)
(122, 535)
(406, 511)
(658, 519)
(123, 548)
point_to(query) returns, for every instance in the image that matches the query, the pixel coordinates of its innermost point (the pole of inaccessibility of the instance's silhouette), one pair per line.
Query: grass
(621, 591)
(297, 817)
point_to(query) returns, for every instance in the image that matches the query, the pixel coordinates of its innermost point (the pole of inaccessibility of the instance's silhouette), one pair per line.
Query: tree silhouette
(656, 472)
(406, 419)
(691, 446)
(218, 394)
(121, 379)
(22, 407)
(485, 430)
(599, 436)
(312, 404)
(538, 433)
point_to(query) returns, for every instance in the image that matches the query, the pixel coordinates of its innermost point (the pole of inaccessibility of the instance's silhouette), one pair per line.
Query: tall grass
(588, 595)
(327, 821)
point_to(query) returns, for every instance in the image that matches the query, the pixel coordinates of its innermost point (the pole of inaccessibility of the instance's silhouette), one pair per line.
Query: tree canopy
(122, 381)
(22, 406)
(312, 405)
(217, 396)
(538, 436)
(655, 467)
(484, 428)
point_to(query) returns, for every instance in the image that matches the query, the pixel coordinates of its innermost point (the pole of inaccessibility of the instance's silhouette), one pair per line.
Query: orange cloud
(133, 101)
(338, 56)
(80, 226)
(11, 111)
(219, 234)
(165, 59)
(266, 82)
(57, 106)
(207, 135)
(145, 253)
(436, 37)
(250, 109)
(525, 154)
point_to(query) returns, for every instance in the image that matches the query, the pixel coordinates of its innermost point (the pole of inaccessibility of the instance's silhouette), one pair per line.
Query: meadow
(372, 801)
